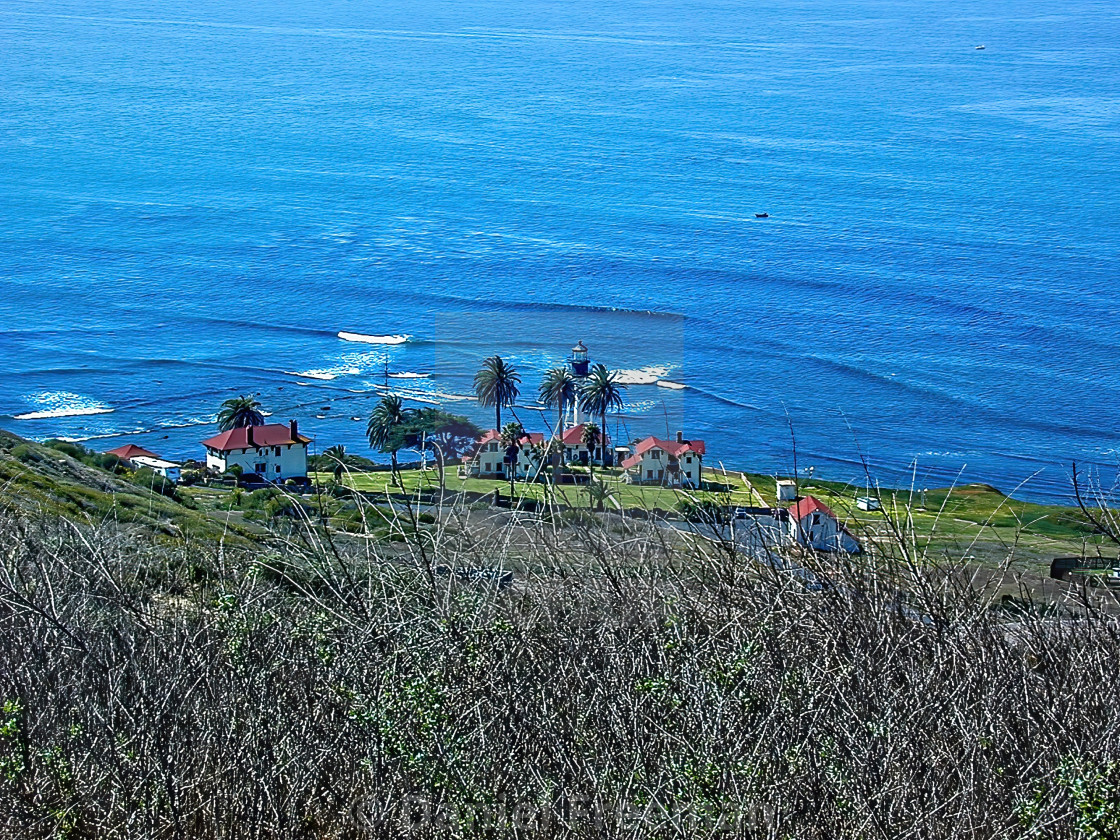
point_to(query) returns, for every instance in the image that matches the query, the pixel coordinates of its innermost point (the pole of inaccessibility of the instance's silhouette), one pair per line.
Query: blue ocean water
(196, 198)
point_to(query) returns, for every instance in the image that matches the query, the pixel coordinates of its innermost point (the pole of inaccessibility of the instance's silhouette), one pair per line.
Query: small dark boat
(980, 47)
(762, 215)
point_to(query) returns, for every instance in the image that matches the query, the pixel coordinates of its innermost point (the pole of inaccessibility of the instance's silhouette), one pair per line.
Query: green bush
(78, 453)
(282, 506)
(259, 499)
(155, 482)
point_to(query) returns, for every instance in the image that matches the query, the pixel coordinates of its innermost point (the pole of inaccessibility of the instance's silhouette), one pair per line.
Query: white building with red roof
(813, 525)
(488, 456)
(673, 463)
(138, 457)
(576, 451)
(275, 452)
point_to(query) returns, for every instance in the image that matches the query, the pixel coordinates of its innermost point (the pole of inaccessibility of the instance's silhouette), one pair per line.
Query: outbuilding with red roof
(813, 525)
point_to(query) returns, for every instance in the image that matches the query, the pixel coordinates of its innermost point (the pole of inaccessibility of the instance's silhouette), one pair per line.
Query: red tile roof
(493, 435)
(807, 505)
(574, 436)
(131, 451)
(674, 448)
(274, 434)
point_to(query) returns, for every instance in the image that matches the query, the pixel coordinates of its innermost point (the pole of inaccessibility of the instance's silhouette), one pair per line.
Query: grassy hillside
(54, 480)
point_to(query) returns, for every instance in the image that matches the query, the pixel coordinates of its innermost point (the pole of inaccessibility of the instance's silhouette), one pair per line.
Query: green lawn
(972, 519)
(624, 495)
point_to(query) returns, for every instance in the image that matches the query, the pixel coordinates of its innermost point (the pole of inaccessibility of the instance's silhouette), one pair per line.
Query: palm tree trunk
(603, 439)
(395, 478)
(498, 417)
(439, 465)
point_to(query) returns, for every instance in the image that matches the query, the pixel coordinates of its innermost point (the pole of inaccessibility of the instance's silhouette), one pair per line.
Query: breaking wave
(374, 339)
(648, 375)
(54, 404)
(326, 374)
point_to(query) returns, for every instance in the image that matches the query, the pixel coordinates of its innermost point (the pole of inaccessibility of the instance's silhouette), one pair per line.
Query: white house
(575, 450)
(138, 457)
(813, 525)
(674, 463)
(168, 469)
(487, 459)
(275, 452)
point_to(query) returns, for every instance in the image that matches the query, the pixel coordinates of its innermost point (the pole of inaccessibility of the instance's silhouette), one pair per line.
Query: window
(688, 460)
(259, 468)
(816, 519)
(276, 452)
(649, 473)
(656, 453)
(277, 468)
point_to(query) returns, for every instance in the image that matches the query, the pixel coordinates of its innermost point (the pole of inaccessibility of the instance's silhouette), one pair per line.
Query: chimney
(680, 437)
(249, 436)
(295, 431)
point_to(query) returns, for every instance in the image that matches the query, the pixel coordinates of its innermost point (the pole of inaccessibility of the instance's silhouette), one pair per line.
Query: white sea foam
(675, 386)
(407, 374)
(54, 404)
(325, 374)
(647, 375)
(374, 339)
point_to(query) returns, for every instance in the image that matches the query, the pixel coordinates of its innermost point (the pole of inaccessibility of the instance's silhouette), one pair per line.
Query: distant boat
(980, 47)
(762, 215)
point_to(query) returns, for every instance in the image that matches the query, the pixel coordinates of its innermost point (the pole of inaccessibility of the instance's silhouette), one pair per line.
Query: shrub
(282, 506)
(155, 482)
(78, 453)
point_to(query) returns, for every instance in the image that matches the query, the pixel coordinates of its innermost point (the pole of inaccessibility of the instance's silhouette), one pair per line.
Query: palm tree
(602, 392)
(239, 412)
(599, 493)
(386, 416)
(496, 385)
(511, 440)
(590, 437)
(558, 388)
(341, 460)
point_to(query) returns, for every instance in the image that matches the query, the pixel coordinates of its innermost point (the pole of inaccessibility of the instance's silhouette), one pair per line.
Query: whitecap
(374, 339)
(54, 404)
(675, 386)
(61, 412)
(642, 376)
(325, 374)
(407, 374)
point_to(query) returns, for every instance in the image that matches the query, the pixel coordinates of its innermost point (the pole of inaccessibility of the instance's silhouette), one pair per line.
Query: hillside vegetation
(633, 681)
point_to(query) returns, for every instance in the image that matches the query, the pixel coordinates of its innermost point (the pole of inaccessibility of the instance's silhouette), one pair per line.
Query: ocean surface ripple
(322, 202)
